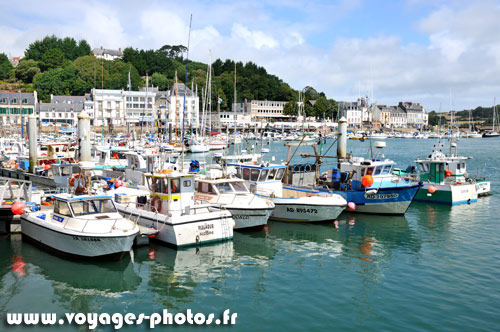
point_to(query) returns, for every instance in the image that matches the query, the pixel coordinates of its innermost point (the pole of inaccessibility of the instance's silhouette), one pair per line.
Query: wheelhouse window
(246, 174)
(205, 187)
(272, 173)
(224, 188)
(369, 171)
(387, 170)
(82, 208)
(238, 172)
(175, 186)
(239, 187)
(254, 175)
(378, 170)
(279, 173)
(62, 208)
(263, 175)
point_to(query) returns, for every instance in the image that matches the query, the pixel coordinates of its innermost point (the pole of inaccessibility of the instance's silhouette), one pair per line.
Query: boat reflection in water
(362, 236)
(77, 286)
(174, 274)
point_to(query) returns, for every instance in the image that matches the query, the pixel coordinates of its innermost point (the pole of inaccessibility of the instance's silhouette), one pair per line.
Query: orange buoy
(18, 208)
(367, 180)
(432, 189)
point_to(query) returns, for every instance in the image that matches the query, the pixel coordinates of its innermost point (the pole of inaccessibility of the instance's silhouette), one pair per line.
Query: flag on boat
(220, 100)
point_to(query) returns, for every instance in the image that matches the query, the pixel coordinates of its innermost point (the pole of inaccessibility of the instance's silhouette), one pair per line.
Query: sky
(442, 53)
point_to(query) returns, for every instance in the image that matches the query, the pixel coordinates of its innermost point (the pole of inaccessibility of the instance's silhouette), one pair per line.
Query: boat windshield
(239, 187)
(95, 206)
(224, 188)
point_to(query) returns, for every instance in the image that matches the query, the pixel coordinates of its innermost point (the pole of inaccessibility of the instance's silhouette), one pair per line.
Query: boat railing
(87, 220)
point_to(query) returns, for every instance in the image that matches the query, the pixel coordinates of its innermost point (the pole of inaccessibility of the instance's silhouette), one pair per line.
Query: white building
(61, 110)
(398, 117)
(107, 54)
(415, 113)
(266, 109)
(12, 104)
(175, 106)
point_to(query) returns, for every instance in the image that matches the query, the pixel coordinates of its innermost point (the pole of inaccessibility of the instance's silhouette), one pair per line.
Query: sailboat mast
(185, 81)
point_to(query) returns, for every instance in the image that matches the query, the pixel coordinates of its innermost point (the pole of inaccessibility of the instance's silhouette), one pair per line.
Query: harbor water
(434, 269)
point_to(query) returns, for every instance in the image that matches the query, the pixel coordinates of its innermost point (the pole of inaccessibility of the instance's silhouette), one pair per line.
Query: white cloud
(256, 39)
(462, 52)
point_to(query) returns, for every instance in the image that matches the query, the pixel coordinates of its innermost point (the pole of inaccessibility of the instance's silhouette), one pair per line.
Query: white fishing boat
(85, 226)
(293, 206)
(249, 211)
(169, 207)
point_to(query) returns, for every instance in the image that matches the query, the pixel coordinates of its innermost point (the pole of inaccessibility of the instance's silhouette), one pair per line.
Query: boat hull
(199, 148)
(307, 209)
(448, 194)
(249, 219)
(386, 201)
(84, 245)
(184, 230)
(483, 188)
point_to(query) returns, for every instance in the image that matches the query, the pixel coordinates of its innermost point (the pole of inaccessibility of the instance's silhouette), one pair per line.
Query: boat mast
(185, 91)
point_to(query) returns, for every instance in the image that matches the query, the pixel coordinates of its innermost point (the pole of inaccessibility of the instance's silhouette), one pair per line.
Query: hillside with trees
(67, 67)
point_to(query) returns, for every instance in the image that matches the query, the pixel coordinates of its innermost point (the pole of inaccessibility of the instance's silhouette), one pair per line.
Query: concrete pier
(84, 136)
(32, 143)
(342, 140)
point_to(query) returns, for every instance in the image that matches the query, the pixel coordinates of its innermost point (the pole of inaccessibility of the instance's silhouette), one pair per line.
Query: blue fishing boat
(368, 185)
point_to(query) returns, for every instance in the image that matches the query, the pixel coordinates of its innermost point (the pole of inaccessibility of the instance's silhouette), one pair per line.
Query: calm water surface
(436, 269)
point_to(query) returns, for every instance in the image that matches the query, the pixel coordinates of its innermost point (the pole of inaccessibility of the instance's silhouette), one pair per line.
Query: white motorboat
(199, 148)
(86, 226)
(475, 134)
(248, 210)
(170, 209)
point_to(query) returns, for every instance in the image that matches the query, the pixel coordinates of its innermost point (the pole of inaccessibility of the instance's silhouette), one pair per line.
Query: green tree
(58, 81)
(160, 80)
(51, 59)
(5, 67)
(26, 70)
(291, 108)
(320, 107)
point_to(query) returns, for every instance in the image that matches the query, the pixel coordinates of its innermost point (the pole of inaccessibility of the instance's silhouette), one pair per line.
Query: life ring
(43, 154)
(72, 179)
(166, 171)
(156, 204)
(307, 168)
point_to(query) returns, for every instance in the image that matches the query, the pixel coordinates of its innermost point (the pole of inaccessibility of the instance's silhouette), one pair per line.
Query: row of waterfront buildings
(152, 107)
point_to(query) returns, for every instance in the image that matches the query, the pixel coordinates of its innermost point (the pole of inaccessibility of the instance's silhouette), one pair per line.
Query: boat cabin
(87, 207)
(351, 173)
(177, 189)
(208, 188)
(264, 177)
(440, 169)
